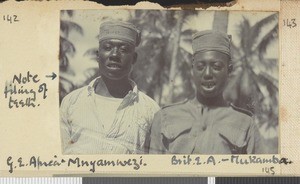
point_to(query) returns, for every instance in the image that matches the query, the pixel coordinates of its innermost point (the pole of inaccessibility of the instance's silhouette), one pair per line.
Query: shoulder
(72, 97)
(148, 101)
(175, 106)
(177, 113)
(241, 110)
(175, 119)
(146, 98)
(241, 118)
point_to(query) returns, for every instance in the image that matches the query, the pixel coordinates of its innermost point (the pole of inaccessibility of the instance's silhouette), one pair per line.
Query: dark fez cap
(211, 40)
(120, 30)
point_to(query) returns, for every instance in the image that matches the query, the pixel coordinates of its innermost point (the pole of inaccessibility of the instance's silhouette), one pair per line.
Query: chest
(211, 133)
(106, 120)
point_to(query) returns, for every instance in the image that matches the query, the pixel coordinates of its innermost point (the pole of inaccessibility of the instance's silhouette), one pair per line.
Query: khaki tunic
(191, 128)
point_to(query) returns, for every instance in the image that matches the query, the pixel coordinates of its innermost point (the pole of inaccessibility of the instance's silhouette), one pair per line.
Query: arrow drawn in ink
(53, 76)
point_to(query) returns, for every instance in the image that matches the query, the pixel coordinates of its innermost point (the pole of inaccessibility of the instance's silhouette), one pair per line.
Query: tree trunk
(174, 60)
(220, 22)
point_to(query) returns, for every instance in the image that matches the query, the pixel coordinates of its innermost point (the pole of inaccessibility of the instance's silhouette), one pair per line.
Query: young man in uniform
(110, 115)
(207, 124)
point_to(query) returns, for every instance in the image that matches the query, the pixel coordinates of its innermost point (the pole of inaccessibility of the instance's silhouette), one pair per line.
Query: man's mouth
(113, 66)
(208, 85)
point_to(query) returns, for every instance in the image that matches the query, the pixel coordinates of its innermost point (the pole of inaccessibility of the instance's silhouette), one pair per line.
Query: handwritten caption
(291, 23)
(35, 162)
(19, 95)
(10, 18)
(233, 159)
(267, 163)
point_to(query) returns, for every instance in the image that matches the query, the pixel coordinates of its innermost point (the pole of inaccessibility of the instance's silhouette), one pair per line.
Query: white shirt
(82, 123)
(106, 108)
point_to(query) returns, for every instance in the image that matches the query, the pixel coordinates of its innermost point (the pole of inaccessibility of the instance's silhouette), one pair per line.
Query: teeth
(113, 66)
(209, 84)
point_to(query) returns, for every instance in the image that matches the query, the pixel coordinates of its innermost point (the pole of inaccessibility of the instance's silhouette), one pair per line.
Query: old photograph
(168, 82)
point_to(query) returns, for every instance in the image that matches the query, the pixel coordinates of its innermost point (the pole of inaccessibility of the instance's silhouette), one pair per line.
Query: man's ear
(134, 58)
(230, 68)
(192, 71)
(193, 62)
(97, 55)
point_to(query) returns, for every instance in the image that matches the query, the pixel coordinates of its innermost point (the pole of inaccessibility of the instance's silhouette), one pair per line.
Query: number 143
(291, 23)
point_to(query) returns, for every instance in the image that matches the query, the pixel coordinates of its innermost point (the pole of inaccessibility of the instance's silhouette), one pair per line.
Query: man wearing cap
(206, 124)
(110, 115)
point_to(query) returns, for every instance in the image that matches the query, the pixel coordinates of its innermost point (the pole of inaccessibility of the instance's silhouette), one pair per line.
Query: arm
(156, 138)
(152, 109)
(65, 127)
(255, 143)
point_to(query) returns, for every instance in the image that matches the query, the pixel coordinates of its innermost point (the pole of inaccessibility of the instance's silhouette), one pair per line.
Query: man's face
(115, 58)
(210, 73)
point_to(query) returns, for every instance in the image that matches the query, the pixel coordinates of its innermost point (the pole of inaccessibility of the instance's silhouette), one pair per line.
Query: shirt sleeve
(65, 127)
(156, 138)
(152, 110)
(255, 144)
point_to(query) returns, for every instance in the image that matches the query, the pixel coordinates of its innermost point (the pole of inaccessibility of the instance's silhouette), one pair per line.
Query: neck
(113, 88)
(217, 101)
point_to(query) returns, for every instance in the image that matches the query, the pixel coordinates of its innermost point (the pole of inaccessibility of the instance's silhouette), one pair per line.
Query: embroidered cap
(210, 40)
(120, 30)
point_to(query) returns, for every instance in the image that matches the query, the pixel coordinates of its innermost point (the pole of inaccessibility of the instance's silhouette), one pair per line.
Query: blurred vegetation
(163, 67)
(66, 50)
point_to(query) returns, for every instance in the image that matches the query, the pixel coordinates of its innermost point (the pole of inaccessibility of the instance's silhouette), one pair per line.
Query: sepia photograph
(168, 82)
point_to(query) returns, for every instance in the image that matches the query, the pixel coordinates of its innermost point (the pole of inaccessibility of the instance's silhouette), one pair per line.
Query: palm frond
(257, 27)
(236, 51)
(66, 47)
(67, 26)
(93, 53)
(269, 81)
(270, 65)
(255, 30)
(261, 47)
(243, 33)
(63, 63)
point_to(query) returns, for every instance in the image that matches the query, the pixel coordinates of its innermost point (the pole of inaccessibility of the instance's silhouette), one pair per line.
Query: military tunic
(192, 128)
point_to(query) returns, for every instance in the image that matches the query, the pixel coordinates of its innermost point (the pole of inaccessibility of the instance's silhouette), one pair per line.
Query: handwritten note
(35, 162)
(231, 159)
(10, 18)
(291, 23)
(19, 95)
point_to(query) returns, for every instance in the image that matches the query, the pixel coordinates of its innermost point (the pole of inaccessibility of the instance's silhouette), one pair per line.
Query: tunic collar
(195, 102)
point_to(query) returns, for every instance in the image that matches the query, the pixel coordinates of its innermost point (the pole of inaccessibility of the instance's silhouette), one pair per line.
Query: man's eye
(107, 47)
(200, 67)
(217, 67)
(124, 49)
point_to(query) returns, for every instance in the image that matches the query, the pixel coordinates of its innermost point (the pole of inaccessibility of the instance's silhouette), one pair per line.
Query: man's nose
(207, 73)
(115, 54)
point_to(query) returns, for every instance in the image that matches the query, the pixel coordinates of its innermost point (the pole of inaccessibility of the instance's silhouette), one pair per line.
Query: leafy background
(164, 57)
